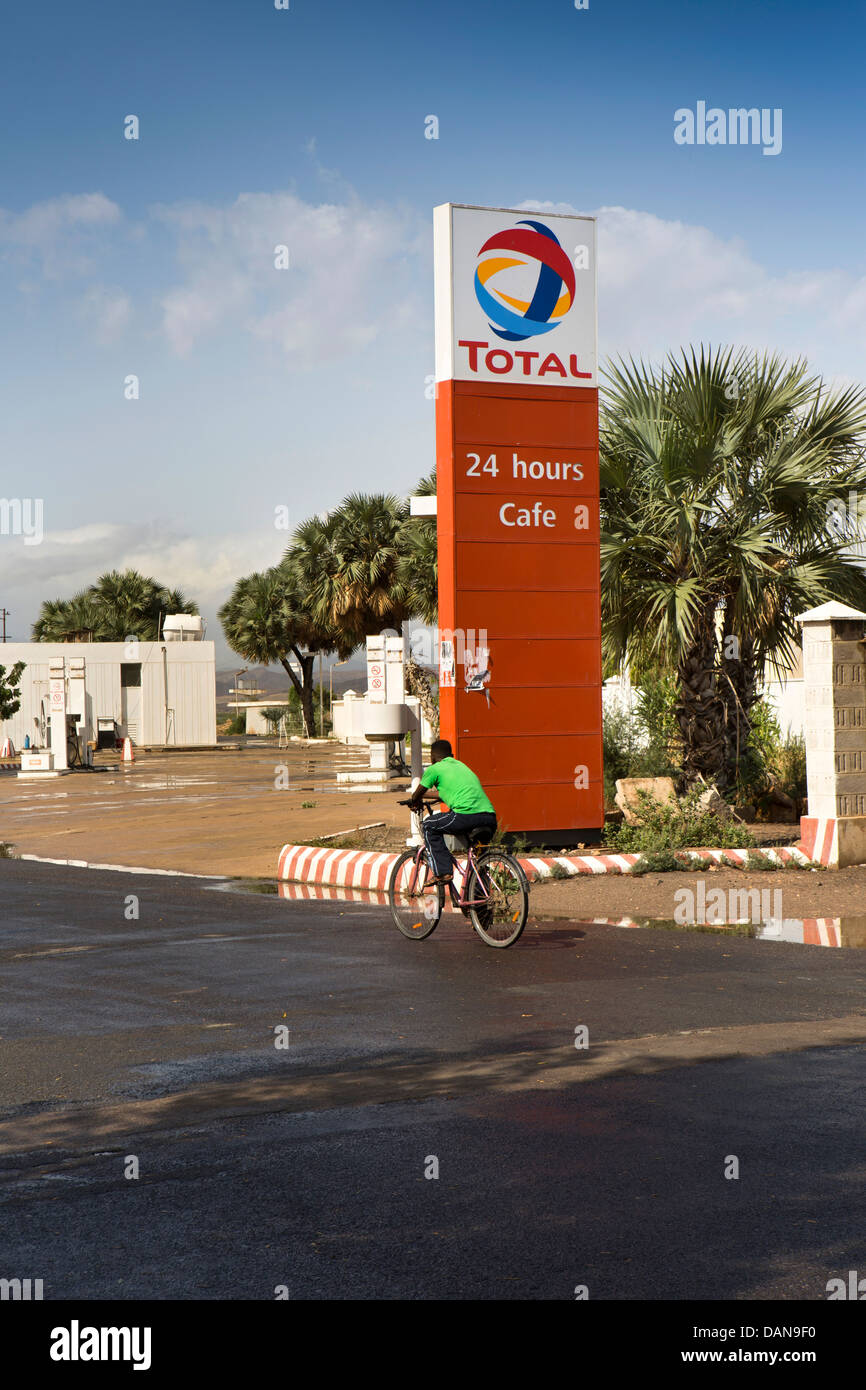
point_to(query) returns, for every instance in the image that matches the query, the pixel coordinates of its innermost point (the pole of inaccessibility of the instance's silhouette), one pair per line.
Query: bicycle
(495, 894)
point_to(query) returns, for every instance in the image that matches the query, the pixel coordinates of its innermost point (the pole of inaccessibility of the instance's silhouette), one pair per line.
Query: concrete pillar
(377, 694)
(57, 698)
(395, 675)
(834, 677)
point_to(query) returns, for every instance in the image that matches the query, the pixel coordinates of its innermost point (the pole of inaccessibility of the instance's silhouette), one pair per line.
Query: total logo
(503, 261)
(519, 319)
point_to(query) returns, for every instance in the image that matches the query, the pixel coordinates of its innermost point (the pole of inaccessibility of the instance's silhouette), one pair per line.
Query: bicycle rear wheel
(499, 880)
(416, 901)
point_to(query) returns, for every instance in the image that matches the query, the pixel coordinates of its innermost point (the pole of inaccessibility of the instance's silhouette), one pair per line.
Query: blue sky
(306, 126)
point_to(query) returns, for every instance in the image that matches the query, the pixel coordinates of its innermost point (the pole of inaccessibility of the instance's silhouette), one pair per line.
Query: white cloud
(663, 284)
(359, 276)
(205, 568)
(352, 273)
(59, 232)
(107, 311)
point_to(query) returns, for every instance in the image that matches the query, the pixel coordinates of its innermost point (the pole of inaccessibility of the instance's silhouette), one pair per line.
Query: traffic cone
(128, 755)
(8, 749)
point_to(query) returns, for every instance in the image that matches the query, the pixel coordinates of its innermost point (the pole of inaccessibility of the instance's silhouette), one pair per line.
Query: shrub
(788, 762)
(236, 724)
(758, 864)
(660, 861)
(681, 825)
(641, 742)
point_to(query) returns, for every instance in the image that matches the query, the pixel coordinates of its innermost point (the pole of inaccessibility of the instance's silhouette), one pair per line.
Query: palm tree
(417, 568)
(135, 603)
(346, 564)
(417, 576)
(719, 474)
(118, 606)
(265, 621)
(360, 570)
(77, 619)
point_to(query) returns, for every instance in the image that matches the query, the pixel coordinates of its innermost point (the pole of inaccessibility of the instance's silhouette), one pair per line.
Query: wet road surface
(153, 1038)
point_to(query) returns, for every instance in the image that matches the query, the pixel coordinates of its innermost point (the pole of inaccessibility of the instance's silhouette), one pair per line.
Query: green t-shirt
(458, 787)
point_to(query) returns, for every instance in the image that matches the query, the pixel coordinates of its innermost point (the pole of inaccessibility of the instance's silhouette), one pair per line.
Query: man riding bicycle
(469, 807)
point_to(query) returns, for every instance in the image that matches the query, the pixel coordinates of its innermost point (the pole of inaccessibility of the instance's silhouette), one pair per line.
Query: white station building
(157, 694)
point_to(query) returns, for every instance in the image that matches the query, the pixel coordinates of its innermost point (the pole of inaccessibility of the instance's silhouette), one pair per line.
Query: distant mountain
(273, 681)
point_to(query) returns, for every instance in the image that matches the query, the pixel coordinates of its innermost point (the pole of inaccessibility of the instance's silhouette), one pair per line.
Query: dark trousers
(451, 823)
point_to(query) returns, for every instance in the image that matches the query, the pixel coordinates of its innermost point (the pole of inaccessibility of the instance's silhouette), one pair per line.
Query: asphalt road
(305, 1166)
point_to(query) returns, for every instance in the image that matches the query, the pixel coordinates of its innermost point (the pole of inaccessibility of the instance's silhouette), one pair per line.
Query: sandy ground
(222, 812)
(212, 812)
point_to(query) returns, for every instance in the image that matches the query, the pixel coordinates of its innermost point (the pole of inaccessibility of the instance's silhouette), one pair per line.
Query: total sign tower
(518, 512)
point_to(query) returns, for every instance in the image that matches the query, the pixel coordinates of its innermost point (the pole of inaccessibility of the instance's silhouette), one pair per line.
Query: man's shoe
(443, 878)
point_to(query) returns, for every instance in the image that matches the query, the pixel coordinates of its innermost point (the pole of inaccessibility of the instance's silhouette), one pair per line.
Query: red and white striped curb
(365, 869)
(360, 869)
(819, 837)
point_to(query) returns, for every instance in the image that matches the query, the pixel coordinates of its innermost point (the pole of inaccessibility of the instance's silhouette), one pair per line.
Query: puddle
(809, 931)
(309, 892)
(169, 783)
(798, 931)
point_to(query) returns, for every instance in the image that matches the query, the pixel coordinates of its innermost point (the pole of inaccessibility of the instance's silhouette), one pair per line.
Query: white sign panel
(515, 296)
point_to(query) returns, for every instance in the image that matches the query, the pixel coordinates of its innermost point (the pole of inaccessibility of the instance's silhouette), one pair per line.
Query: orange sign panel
(518, 514)
(519, 580)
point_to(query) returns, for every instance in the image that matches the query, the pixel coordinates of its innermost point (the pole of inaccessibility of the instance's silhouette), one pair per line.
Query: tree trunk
(304, 687)
(702, 713)
(307, 661)
(739, 690)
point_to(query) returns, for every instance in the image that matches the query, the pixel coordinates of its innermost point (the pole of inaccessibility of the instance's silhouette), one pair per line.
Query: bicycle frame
(457, 900)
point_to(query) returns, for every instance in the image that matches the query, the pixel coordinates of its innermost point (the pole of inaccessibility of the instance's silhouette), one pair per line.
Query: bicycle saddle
(477, 838)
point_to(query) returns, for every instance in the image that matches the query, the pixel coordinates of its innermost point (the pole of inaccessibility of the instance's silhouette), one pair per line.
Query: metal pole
(321, 700)
(238, 674)
(6, 613)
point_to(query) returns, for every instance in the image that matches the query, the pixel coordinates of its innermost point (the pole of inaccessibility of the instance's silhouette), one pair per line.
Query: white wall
(181, 675)
(789, 701)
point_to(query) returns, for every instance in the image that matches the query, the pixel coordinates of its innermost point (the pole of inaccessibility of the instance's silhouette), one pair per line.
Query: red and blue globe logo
(528, 246)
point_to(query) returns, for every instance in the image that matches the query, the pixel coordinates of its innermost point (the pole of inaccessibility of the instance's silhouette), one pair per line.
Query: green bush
(559, 871)
(755, 758)
(641, 743)
(757, 864)
(789, 765)
(680, 825)
(661, 861)
(770, 759)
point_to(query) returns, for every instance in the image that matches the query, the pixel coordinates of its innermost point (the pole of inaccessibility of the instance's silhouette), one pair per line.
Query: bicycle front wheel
(416, 901)
(499, 894)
